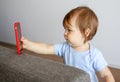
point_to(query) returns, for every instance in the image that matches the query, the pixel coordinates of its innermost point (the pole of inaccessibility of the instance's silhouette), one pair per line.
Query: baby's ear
(87, 32)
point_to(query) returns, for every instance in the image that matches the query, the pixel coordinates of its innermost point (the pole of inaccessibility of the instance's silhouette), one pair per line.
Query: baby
(80, 26)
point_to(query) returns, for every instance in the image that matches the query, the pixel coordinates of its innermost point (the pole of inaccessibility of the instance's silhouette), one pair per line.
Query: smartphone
(18, 35)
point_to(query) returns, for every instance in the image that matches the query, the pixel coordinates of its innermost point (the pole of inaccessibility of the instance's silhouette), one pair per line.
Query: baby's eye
(69, 30)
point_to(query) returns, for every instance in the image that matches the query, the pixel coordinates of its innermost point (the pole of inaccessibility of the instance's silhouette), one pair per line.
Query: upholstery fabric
(30, 68)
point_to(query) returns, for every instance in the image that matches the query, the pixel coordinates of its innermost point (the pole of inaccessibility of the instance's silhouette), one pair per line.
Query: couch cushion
(30, 68)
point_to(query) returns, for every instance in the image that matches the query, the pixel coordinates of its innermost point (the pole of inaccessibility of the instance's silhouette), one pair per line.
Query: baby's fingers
(24, 42)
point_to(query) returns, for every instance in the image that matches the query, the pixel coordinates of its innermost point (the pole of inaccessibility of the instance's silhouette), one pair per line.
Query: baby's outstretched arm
(36, 47)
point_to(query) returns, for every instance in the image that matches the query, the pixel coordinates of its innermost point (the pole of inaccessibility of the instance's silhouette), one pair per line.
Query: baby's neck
(83, 47)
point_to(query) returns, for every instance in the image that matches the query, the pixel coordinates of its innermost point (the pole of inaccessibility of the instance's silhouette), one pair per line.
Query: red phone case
(18, 35)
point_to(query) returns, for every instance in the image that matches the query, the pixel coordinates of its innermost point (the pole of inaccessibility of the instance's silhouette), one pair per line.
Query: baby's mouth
(67, 40)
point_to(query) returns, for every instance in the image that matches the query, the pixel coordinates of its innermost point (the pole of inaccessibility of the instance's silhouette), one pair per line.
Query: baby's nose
(65, 35)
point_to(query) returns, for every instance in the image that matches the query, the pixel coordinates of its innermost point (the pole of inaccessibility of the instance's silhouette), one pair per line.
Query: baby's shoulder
(94, 52)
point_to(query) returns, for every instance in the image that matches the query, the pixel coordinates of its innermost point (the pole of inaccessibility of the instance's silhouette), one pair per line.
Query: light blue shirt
(89, 61)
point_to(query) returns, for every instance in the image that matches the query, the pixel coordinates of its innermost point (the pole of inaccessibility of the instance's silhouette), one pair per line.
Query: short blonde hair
(85, 18)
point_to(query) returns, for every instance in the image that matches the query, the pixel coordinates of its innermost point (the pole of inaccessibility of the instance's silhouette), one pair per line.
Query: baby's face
(73, 35)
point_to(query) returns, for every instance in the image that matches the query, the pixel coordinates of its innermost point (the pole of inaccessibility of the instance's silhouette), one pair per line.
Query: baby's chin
(72, 45)
(68, 42)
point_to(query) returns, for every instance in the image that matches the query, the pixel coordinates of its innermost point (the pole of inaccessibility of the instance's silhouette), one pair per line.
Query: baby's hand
(24, 42)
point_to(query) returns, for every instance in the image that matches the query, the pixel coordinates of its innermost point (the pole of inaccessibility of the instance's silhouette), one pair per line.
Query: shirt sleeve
(99, 62)
(59, 49)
